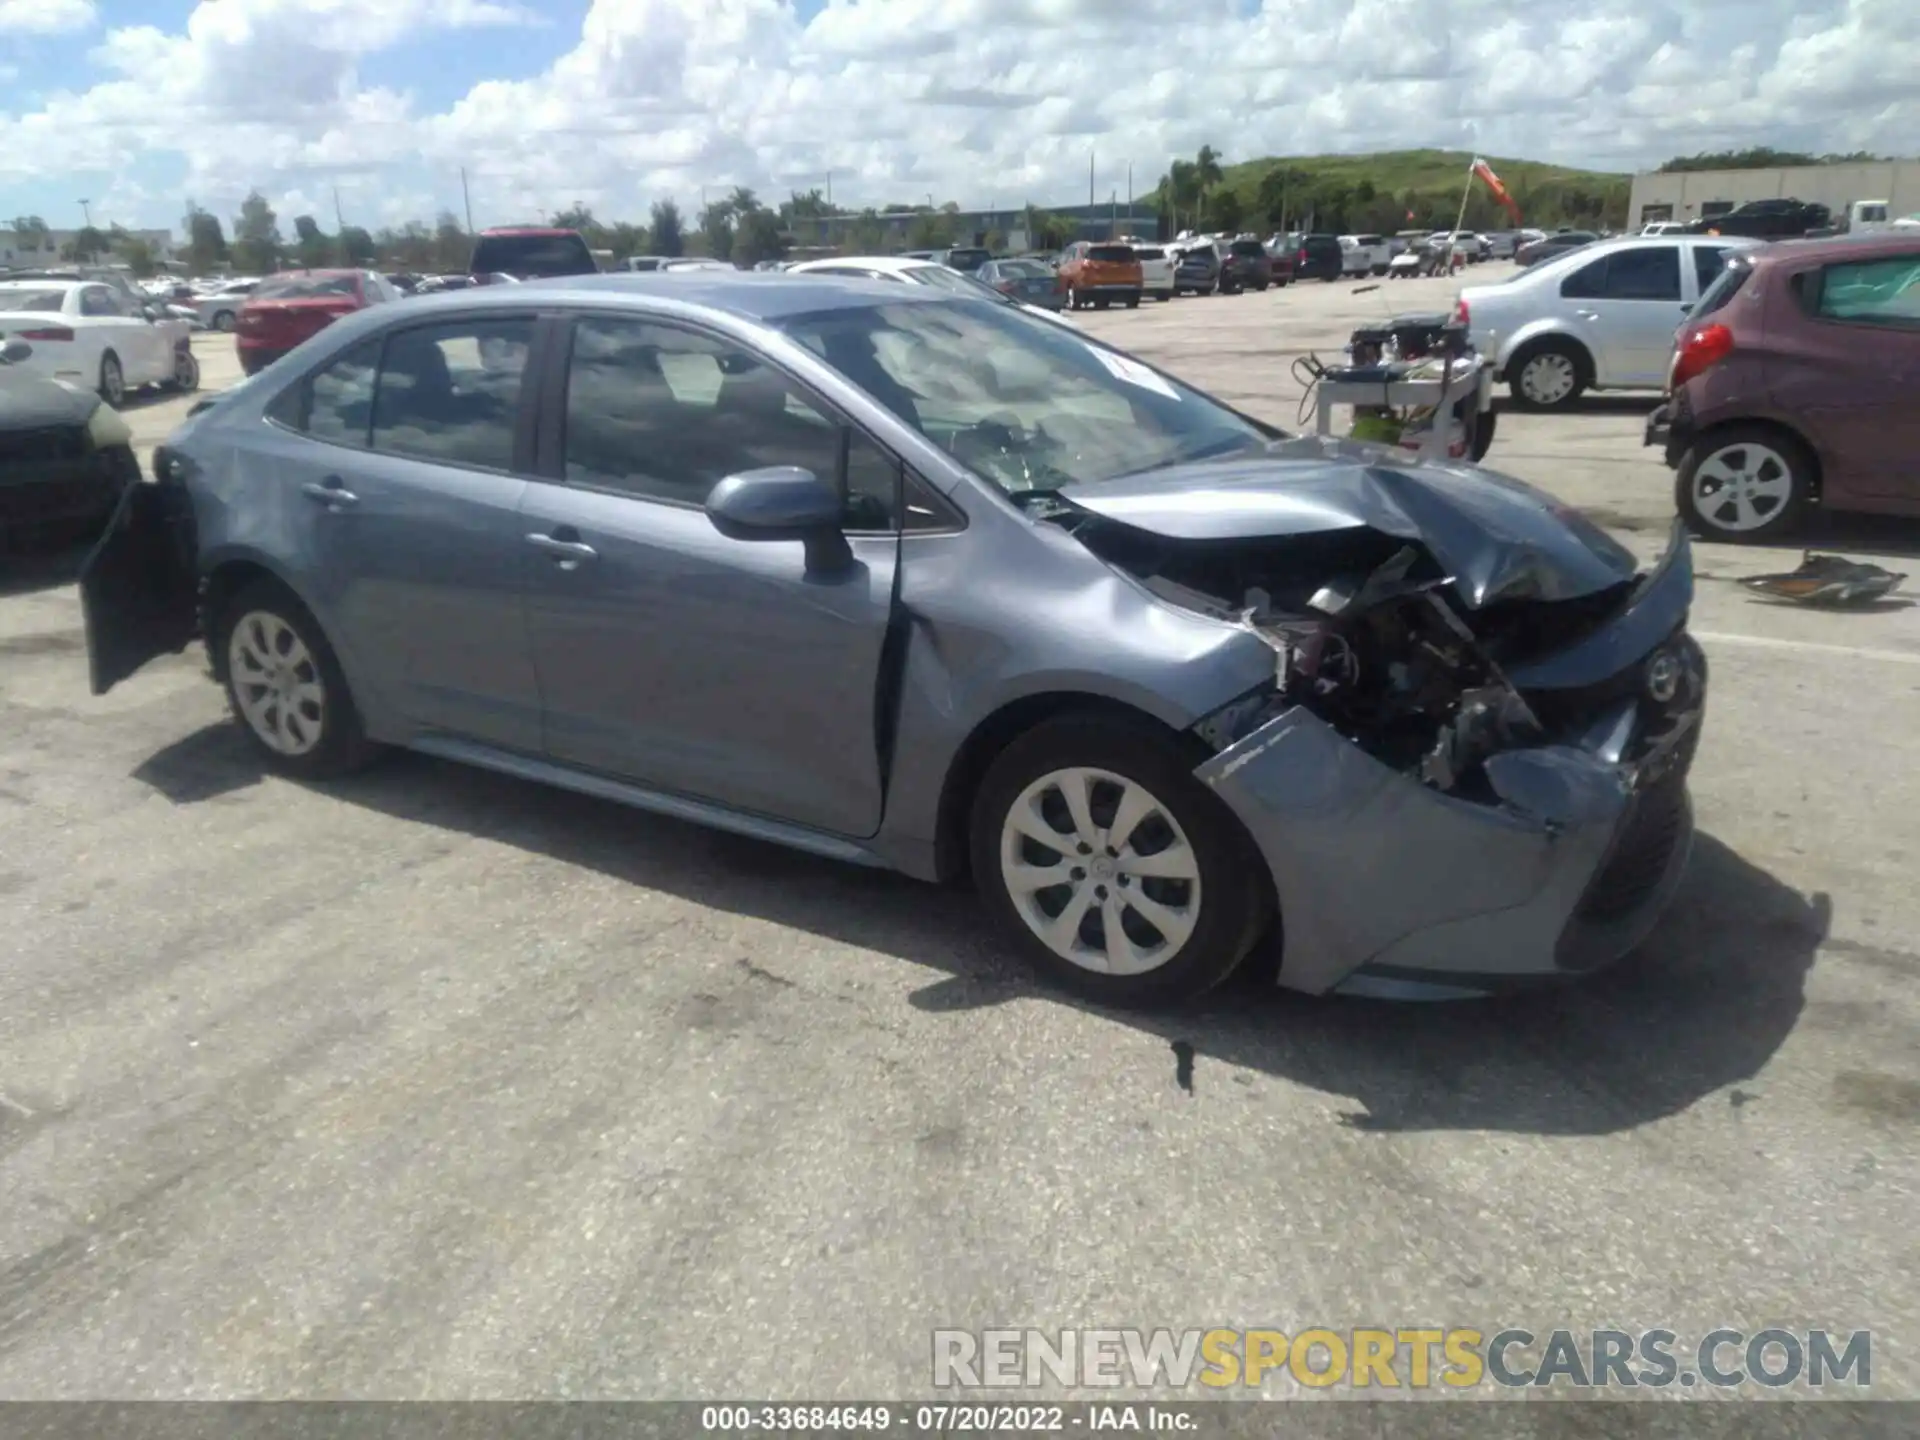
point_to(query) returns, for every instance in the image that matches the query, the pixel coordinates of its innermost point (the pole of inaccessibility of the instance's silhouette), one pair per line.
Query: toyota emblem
(1663, 677)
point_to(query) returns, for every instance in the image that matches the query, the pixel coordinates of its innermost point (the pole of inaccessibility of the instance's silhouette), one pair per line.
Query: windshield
(304, 287)
(11, 299)
(1021, 401)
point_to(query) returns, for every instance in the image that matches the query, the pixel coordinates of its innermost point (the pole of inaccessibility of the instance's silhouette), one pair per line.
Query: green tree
(314, 247)
(135, 253)
(759, 236)
(624, 239)
(931, 230)
(667, 230)
(576, 216)
(1223, 210)
(866, 236)
(31, 231)
(357, 247)
(452, 246)
(256, 235)
(716, 229)
(88, 244)
(206, 241)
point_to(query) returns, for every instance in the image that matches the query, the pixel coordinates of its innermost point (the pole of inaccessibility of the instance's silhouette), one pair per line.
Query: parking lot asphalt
(436, 1084)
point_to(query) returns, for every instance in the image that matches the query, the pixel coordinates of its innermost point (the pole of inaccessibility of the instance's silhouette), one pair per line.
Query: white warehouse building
(1702, 194)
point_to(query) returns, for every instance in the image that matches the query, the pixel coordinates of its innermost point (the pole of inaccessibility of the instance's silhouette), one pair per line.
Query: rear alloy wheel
(186, 371)
(1117, 873)
(113, 380)
(1547, 376)
(1746, 482)
(225, 320)
(285, 686)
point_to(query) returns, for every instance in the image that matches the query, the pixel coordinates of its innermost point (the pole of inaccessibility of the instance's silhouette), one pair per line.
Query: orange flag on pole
(1499, 191)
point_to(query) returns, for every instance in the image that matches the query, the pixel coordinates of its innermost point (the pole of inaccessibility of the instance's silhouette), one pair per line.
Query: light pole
(86, 214)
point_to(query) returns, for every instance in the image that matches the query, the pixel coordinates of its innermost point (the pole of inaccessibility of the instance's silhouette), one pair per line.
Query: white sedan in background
(96, 336)
(907, 270)
(221, 309)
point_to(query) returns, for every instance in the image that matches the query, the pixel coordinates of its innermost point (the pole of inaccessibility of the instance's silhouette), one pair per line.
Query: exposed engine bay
(1369, 635)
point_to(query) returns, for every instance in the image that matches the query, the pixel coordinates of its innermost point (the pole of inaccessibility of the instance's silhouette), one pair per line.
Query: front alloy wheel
(1100, 871)
(1111, 867)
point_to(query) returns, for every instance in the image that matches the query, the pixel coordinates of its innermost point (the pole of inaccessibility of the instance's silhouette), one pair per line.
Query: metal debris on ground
(1830, 580)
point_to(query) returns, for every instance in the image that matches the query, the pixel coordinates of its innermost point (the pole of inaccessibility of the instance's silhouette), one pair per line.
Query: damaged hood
(1498, 538)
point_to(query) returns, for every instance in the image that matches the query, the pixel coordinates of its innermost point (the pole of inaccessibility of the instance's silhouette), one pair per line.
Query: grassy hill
(1375, 192)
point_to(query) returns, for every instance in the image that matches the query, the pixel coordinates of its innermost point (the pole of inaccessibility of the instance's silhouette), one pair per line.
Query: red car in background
(295, 305)
(1793, 383)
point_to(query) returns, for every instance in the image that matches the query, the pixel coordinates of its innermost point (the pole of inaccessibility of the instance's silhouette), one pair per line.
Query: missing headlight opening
(1369, 637)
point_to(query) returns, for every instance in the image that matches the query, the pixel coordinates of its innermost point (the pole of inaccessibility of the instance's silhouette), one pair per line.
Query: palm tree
(1206, 172)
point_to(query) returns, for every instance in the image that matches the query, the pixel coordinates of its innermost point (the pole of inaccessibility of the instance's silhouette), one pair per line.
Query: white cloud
(44, 17)
(979, 100)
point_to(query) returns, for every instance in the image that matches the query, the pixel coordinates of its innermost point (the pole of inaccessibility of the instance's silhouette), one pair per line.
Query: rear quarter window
(1869, 292)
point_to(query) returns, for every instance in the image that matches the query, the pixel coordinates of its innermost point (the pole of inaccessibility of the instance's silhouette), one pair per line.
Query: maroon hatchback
(1796, 382)
(295, 305)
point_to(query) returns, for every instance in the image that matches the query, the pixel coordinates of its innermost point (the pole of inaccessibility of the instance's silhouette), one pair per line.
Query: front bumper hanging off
(1388, 886)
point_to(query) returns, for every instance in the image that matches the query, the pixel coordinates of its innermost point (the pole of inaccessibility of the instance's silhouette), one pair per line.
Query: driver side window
(666, 414)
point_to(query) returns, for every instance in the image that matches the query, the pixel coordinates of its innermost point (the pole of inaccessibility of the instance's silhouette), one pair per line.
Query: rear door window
(1647, 272)
(1709, 262)
(1589, 282)
(451, 393)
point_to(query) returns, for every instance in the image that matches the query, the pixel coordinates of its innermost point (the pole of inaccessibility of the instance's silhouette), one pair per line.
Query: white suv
(1601, 317)
(1157, 265)
(1365, 254)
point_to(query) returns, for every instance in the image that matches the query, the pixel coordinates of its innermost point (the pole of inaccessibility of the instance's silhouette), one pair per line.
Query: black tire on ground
(1236, 900)
(1792, 454)
(225, 320)
(1133, 301)
(1261, 286)
(343, 746)
(113, 381)
(1545, 350)
(1100, 302)
(1164, 295)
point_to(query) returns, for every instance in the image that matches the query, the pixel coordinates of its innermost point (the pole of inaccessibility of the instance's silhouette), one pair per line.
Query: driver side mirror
(782, 502)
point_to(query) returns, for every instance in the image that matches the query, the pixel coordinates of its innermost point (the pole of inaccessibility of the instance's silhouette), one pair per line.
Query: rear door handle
(568, 553)
(331, 492)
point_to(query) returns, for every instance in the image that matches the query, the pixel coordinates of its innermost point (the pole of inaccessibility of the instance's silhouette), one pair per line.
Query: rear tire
(1548, 374)
(1133, 302)
(1745, 483)
(1199, 929)
(285, 686)
(113, 381)
(225, 321)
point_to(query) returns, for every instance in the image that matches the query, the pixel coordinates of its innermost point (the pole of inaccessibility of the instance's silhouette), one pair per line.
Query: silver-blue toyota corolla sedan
(914, 580)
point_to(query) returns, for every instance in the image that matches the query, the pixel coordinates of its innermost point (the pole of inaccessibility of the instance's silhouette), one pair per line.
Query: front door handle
(567, 553)
(331, 492)
(1588, 314)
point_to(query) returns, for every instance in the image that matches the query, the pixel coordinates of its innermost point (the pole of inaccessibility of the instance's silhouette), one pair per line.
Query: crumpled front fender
(1372, 868)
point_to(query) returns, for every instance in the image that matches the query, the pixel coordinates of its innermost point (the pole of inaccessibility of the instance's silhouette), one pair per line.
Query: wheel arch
(1780, 427)
(975, 756)
(224, 575)
(1531, 338)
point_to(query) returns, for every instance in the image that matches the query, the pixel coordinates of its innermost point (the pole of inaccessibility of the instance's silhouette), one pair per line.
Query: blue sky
(138, 105)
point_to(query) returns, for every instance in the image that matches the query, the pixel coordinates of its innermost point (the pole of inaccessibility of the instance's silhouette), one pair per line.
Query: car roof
(11, 282)
(764, 296)
(886, 264)
(525, 230)
(1872, 245)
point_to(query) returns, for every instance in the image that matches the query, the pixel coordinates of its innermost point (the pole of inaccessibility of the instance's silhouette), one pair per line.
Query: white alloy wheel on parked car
(1746, 482)
(1100, 871)
(277, 685)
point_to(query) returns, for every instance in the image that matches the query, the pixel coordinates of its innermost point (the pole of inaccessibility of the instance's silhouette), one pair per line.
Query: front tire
(1111, 868)
(113, 381)
(225, 321)
(1744, 483)
(186, 371)
(1548, 375)
(285, 686)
